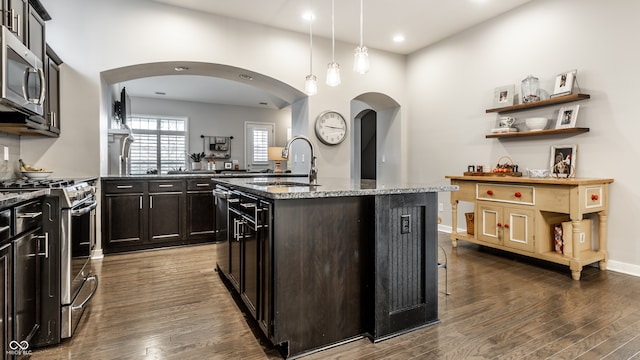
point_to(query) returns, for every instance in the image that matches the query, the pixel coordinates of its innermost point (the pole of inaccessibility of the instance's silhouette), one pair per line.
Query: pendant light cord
(333, 31)
(310, 37)
(361, 21)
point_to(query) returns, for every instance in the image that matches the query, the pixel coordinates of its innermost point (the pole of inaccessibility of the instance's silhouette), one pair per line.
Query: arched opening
(221, 80)
(376, 138)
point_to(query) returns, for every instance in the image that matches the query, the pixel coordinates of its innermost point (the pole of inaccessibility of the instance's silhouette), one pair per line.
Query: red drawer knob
(489, 192)
(499, 224)
(506, 226)
(518, 194)
(594, 197)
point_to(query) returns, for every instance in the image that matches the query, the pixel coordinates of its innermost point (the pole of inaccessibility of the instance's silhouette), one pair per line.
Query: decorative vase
(530, 89)
(196, 165)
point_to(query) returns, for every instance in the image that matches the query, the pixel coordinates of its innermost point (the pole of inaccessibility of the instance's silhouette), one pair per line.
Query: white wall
(450, 84)
(95, 36)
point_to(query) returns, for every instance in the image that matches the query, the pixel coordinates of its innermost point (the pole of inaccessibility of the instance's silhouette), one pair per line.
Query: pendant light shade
(333, 74)
(361, 60)
(333, 70)
(310, 83)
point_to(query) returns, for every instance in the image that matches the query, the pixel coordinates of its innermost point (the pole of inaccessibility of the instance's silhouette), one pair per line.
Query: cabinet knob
(489, 192)
(518, 194)
(499, 224)
(594, 197)
(506, 226)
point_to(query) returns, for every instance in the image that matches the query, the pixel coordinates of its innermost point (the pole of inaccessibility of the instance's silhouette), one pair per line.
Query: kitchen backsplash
(9, 168)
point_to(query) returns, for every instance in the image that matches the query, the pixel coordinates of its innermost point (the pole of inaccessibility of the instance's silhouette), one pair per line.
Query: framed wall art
(564, 83)
(562, 162)
(567, 117)
(503, 96)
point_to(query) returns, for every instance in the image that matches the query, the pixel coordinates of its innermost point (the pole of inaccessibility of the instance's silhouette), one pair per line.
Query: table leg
(603, 220)
(454, 223)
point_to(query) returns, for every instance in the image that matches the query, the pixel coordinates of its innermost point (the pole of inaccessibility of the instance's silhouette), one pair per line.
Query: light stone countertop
(12, 197)
(327, 187)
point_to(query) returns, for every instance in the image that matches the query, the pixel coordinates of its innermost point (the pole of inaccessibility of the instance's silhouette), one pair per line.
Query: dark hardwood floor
(170, 304)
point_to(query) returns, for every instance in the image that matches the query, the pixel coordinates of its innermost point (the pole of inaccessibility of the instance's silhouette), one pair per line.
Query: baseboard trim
(617, 266)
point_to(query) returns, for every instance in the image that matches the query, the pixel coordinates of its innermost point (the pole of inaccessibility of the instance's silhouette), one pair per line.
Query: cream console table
(518, 214)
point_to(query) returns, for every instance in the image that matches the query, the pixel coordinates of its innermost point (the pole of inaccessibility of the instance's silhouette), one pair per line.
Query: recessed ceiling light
(398, 38)
(308, 16)
(160, 93)
(180, 68)
(245, 77)
(263, 103)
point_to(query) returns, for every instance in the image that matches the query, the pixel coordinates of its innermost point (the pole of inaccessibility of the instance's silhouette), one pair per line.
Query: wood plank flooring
(170, 304)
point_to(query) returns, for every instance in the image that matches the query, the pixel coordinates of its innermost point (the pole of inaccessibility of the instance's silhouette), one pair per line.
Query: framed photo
(564, 83)
(228, 165)
(504, 95)
(567, 116)
(562, 162)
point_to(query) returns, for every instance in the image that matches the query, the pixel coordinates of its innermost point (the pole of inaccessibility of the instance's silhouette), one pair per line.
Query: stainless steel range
(67, 281)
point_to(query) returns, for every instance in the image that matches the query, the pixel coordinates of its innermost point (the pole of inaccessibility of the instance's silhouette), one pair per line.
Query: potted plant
(196, 159)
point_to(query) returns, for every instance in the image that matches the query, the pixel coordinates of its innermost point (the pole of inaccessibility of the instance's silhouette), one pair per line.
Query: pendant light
(333, 70)
(361, 60)
(310, 83)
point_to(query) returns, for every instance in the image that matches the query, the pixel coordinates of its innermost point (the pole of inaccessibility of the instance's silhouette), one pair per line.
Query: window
(160, 144)
(258, 138)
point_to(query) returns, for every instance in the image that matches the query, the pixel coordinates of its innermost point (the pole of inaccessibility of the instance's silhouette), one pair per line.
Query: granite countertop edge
(12, 198)
(342, 188)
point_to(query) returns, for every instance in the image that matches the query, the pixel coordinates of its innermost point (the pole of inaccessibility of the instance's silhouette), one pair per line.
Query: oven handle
(93, 291)
(85, 209)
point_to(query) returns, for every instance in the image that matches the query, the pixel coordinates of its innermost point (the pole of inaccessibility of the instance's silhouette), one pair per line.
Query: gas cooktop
(35, 183)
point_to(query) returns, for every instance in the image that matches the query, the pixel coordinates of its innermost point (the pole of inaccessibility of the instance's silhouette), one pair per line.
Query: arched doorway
(376, 138)
(277, 94)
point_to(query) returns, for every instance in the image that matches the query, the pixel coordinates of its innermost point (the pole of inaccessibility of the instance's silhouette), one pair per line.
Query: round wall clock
(331, 128)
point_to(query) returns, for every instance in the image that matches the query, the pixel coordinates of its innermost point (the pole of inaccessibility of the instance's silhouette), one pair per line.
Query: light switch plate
(6, 153)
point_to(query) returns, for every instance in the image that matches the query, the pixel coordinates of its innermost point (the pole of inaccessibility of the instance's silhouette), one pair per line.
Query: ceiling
(421, 22)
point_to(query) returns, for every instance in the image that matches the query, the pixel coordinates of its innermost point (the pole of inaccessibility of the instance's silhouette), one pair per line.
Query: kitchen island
(320, 265)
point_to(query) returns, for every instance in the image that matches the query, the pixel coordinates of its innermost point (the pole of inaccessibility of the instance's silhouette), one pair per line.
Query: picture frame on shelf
(562, 161)
(228, 165)
(567, 117)
(503, 96)
(564, 83)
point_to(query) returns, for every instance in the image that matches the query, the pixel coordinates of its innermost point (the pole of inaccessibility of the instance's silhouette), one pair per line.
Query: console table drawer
(514, 194)
(594, 197)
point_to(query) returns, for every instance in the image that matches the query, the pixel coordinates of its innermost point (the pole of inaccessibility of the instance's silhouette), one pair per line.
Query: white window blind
(260, 145)
(160, 144)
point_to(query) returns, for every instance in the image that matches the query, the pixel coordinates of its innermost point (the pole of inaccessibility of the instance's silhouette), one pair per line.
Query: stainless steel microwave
(22, 77)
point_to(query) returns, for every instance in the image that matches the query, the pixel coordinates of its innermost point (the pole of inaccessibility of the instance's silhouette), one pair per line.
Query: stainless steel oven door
(77, 281)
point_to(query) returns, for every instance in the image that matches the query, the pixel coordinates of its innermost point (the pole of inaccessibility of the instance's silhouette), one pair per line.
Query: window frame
(158, 132)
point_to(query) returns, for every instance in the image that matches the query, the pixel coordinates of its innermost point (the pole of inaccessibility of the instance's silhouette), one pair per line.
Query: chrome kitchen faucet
(313, 172)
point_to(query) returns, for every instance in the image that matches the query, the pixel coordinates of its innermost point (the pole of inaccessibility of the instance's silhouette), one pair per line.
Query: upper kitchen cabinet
(14, 12)
(35, 33)
(52, 101)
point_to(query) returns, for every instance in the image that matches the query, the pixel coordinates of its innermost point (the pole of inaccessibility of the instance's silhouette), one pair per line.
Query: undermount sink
(280, 183)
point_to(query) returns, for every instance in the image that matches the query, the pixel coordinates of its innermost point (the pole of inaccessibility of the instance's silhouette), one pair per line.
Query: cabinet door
(15, 18)
(36, 34)
(490, 223)
(249, 284)
(124, 220)
(166, 212)
(519, 228)
(6, 296)
(201, 215)
(235, 236)
(52, 100)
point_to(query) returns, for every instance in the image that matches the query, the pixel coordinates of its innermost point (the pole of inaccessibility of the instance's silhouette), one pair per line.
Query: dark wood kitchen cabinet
(52, 100)
(200, 209)
(124, 220)
(166, 210)
(15, 16)
(36, 33)
(148, 213)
